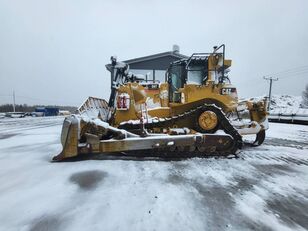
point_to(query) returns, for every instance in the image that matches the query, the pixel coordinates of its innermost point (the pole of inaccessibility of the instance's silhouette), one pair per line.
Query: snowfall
(265, 188)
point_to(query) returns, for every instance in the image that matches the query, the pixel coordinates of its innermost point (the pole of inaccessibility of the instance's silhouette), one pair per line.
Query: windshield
(196, 74)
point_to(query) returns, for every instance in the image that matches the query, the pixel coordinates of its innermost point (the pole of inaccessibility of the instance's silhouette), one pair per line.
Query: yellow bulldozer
(195, 112)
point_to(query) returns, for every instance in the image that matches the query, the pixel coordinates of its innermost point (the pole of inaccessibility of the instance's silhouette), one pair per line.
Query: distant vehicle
(2, 115)
(28, 114)
(15, 114)
(47, 111)
(37, 114)
(64, 113)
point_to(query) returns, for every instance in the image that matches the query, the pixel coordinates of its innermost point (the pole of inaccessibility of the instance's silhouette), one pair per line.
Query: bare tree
(305, 97)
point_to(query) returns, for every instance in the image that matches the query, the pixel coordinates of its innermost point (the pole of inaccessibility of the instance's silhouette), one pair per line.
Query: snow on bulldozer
(195, 112)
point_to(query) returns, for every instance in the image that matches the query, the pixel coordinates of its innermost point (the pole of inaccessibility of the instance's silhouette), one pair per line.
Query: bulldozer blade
(69, 138)
(131, 144)
(94, 107)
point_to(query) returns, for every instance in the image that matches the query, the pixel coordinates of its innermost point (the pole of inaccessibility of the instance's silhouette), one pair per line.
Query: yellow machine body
(181, 115)
(192, 96)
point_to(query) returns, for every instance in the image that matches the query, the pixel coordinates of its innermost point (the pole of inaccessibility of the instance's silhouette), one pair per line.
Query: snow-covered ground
(287, 108)
(284, 102)
(265, 189)
(290, 102)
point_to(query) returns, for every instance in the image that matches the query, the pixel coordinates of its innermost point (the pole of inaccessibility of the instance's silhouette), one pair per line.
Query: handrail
(212, 53)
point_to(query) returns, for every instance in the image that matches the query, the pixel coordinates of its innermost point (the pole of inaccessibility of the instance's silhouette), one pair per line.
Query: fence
(295, 116)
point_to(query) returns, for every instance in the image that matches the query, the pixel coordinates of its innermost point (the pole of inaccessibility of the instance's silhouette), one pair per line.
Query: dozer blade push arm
(121, 141)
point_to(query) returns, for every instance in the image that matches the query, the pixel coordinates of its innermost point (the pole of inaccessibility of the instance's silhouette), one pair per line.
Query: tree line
(29, 108)
(305, 97)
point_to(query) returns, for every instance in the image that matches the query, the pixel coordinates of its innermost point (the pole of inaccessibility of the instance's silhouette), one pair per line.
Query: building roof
(156, 56)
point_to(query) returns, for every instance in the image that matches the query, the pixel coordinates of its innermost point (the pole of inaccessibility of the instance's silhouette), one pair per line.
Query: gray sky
(54, 52)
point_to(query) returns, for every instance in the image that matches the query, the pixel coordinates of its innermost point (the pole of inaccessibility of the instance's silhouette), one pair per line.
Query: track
(198, 151)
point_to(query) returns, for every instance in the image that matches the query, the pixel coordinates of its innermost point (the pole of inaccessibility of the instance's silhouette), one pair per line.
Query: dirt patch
(219, 206)
(273, 169)
(176, 173)
(6, 136)
(88, 180)
(180, 166)
(215, 197)
(285, 143)
(216, 202)
(176, 179)
(291, 210)
(242, 184)
(46, 223)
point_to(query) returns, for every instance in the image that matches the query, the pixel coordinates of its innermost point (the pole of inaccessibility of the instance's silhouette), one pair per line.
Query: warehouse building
(46, 111)
(155, 66)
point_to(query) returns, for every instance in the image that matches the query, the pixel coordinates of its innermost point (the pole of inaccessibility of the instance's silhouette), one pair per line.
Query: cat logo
(226, 91)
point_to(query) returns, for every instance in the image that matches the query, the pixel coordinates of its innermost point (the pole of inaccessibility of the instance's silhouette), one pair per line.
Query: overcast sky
(54, 52)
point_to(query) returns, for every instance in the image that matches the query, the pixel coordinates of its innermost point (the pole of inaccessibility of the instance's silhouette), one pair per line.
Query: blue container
(48, 111)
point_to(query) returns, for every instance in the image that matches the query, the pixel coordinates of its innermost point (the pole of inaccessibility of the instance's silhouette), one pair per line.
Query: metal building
(155, 66)
(47, 111)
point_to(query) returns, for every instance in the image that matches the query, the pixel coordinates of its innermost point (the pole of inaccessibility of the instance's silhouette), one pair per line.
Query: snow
(286, 101)
(151, 104)
(288, 132)
(283, 102)
(286, 108)
(266, 188)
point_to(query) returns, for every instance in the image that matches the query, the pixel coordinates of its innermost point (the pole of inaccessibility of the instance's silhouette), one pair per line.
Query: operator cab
(199, 69)
(186, 71)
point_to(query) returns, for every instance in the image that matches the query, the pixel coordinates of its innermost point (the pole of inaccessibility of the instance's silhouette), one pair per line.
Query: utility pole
(14, 100)
(271, 79)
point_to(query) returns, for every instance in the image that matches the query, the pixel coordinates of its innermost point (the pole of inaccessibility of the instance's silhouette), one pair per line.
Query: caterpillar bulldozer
(195, 112)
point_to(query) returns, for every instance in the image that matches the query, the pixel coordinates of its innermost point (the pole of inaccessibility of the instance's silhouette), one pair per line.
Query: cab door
(176, 80)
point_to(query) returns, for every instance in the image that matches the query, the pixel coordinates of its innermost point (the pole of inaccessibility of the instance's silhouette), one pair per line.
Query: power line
(289, 71)
(14, 100)
(290, 75)
(271, 79)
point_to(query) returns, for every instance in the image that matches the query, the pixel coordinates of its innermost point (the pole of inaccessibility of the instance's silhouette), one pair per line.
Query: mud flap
(260, 137)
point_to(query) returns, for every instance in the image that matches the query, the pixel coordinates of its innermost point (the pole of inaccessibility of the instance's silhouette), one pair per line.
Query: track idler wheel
(207, 122)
